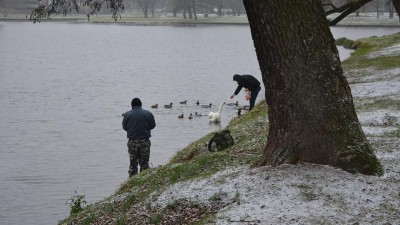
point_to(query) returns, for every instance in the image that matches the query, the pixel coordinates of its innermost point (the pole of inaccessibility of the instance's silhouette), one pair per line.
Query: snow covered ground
(393, 50)
(306, 194)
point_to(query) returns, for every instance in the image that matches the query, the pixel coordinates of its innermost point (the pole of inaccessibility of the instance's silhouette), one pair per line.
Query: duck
(197, 114)
(168, 106)
(215, 117)
(154, 106)
(180, 116)
(198, 102)
(207, 106)
(190, 116)
(183, 102)
(245, 107)
(233, 104)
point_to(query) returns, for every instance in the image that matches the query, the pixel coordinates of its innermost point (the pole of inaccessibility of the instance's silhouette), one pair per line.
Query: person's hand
(232, 96)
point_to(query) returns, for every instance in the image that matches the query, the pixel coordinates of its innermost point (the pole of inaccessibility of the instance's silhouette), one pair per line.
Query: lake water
(63, 88)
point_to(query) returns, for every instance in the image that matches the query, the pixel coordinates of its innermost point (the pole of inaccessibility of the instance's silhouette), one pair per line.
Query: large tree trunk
(311, 112)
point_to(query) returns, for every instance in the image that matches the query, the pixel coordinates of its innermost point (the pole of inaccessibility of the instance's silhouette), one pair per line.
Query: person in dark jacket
(138, 124)
(249, 82)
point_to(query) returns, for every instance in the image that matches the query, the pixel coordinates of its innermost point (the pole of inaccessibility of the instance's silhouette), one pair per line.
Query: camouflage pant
(139, 153)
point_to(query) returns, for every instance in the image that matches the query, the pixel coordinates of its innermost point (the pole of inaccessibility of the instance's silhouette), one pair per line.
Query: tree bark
(311, 113)
(219, 6)
(396, 4)
(193, 5)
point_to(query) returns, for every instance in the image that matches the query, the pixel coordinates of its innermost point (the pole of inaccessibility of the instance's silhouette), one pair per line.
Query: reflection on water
(62, 95)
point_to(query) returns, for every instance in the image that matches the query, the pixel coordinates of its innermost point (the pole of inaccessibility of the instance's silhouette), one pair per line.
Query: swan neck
(220, 107)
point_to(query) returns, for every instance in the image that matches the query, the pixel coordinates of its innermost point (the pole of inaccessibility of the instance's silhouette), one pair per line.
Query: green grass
(366, 46)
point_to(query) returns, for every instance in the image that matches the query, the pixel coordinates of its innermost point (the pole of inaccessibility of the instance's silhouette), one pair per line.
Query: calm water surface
(63, 88)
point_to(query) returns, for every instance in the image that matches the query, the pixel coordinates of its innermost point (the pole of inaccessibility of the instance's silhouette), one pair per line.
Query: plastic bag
(247, 94)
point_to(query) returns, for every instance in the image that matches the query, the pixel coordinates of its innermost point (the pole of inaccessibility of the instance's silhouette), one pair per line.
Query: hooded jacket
(246, 81)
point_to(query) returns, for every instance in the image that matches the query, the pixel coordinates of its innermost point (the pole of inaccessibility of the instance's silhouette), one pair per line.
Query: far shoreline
(202, 21)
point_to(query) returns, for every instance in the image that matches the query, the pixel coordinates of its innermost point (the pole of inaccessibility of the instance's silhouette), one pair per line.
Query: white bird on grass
(216, 116)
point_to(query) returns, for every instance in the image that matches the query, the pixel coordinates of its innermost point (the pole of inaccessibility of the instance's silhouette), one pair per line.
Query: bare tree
(220, 5)
(7, 6)
(174, 6)
(193, 5)
(146, 6)
(236, 6)
(15, 6)
(391, 9)
(396, 4)
(67, 6)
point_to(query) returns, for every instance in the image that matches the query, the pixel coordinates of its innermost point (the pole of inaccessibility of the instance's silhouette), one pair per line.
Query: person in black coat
(249, 82)
(138, 124)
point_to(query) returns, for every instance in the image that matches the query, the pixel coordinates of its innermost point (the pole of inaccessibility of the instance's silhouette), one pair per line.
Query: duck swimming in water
(207, 106)
(233, 104)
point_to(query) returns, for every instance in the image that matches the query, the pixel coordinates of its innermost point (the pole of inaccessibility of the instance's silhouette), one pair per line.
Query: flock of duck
(212, 116)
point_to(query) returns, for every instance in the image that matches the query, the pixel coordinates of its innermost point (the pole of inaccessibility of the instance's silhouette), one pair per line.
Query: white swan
(216, 116)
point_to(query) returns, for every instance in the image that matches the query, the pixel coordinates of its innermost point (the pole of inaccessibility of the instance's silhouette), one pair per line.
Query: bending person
(249, 82)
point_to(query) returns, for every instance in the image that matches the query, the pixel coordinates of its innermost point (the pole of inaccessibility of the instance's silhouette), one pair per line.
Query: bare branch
(56, 7)
(345, 10)
(66, 6)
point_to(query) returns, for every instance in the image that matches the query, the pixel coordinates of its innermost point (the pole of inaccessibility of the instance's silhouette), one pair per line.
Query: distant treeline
(185, 8)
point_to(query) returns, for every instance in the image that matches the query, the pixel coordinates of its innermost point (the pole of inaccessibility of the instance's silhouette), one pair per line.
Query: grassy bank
(202, 187)
(194, 161)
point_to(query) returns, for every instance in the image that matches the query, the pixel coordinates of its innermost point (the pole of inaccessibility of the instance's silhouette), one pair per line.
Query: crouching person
(138, 124)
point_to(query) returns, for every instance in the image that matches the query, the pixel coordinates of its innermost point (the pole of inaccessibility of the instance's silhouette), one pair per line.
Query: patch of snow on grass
(379, 118)
(378, 131)
(373, 76)
(376, 89)
(390, 51)
(306, 194)
(200, 190)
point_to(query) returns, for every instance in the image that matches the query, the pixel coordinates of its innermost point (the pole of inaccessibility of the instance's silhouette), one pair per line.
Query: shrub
(347, 43)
